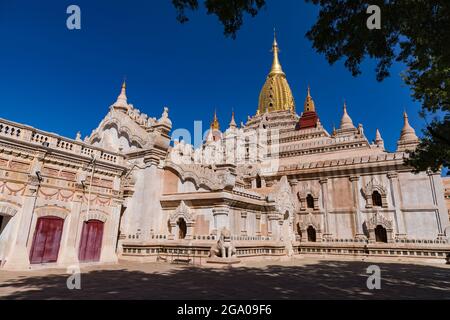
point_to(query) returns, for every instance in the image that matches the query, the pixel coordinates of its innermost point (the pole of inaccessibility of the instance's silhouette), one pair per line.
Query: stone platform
(224, 262)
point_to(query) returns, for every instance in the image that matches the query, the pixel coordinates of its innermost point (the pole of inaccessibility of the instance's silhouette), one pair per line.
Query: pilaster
(358, 218)
(324, 188)
(394, 184)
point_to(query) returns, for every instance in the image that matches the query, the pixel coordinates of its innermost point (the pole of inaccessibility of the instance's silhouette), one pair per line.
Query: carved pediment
(183, 211)
(378, 219)
(371, 186)
(310, 220)
(204, 177)
(306, 189)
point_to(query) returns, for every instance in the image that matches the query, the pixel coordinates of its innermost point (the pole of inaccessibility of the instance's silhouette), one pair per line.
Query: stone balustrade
(434, 250)
(22, 133)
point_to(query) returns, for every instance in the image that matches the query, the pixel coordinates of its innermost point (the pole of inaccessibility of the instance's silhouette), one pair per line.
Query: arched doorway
(312, 236)
(381, 234)
(377, 201)
(182, 229)
(46, 240)
(91, 241)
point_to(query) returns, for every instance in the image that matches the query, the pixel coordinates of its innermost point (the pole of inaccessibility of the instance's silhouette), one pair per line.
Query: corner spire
(309, 102)
(408, 138)
(215, 125)
(233, 124)
(378, 136)
(346, 121)
(379, 140)
(122, 100)
(408, 132)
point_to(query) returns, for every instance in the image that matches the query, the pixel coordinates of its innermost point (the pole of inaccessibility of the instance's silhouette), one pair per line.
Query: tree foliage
(229, 12)
(413, 32)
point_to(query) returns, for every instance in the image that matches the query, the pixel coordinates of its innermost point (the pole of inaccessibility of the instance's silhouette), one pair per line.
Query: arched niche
(181, 223)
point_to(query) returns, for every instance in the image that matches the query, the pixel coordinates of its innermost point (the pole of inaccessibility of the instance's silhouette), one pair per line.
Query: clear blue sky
(64, 81)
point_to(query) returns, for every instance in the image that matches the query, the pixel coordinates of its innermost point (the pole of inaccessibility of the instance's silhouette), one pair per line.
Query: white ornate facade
(279, 184)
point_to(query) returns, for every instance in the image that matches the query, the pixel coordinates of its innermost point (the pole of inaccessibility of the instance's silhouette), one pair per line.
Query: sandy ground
(305, 278)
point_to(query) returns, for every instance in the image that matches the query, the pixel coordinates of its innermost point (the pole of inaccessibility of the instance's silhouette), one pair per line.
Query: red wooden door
(91, 241)
(47, 239)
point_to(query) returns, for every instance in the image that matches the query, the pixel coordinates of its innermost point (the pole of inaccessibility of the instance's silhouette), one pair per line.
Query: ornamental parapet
(22, 134)
(360, 160)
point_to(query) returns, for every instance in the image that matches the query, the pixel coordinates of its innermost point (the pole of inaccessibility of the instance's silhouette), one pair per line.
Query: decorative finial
(215, 125)
(233, 121)
(276, 66)
(378, 136)
(408, 138)
(346, 121)
(309, 102)
(379, 142)
(122, 100)
(408, 132)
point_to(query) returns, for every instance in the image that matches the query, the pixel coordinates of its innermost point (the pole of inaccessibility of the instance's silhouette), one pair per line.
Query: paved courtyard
(305, 278)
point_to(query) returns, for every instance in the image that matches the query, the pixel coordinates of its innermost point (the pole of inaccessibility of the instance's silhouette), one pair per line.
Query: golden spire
(215, 125)
(276, 95)
(309, 102)
(276, 65)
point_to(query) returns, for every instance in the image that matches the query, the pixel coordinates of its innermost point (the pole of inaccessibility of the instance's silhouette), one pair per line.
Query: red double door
(47, 239)
(91, 241)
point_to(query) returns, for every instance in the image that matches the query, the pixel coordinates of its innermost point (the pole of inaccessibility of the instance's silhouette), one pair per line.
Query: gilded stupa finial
(309, 102)
(215, 125)
(276, 65)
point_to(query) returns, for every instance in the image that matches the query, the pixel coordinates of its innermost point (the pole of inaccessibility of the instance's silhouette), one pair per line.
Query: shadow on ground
(322, 280)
